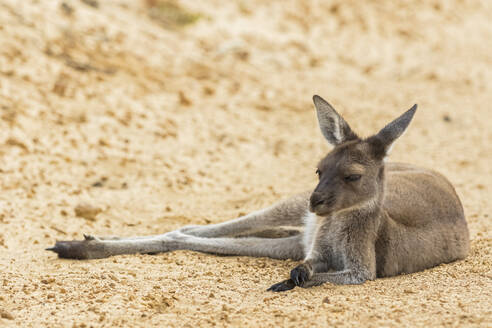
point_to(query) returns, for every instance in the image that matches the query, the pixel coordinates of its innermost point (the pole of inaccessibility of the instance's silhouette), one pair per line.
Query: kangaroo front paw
(300, 274)
(89, 248)
(282, 286)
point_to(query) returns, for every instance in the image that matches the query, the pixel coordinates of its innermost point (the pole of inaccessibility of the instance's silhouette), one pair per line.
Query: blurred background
(138, 117)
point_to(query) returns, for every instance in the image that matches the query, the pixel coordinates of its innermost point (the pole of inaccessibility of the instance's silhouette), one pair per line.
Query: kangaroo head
(352, 174)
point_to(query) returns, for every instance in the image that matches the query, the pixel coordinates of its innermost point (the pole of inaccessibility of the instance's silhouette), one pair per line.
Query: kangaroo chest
(324, 239)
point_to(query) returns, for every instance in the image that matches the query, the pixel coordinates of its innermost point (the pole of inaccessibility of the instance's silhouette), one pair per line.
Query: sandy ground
(164, 116)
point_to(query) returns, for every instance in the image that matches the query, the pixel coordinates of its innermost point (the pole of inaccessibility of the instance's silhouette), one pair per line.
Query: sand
(160, 115)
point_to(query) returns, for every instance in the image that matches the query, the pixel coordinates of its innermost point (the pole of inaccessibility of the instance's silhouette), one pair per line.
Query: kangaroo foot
(89, 248)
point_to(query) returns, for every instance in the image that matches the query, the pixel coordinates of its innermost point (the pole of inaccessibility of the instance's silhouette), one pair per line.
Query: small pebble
(87, 211)
(6, 315)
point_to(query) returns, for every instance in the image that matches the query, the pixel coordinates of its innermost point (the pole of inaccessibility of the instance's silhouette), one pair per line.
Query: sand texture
(138, 117)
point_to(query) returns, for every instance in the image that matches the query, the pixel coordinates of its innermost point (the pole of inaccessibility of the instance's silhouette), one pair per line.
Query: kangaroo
(365, 219)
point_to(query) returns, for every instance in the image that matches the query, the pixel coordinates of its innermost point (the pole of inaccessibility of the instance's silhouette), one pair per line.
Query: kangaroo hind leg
(258, 234)
(267, 222)
(94, 248)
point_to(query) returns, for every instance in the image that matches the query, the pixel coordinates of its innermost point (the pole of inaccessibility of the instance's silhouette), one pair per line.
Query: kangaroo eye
(318, 172)
(352, 177)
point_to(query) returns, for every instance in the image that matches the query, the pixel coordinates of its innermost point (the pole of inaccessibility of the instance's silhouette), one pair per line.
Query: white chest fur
(312, 226)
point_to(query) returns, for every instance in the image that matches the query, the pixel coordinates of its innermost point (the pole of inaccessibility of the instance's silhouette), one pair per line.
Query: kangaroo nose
(315, 200)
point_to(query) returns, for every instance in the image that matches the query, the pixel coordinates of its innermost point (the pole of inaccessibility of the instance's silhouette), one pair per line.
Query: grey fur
(365, 219)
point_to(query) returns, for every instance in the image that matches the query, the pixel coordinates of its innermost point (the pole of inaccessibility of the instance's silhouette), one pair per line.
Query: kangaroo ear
(383, 141)
(332, 125)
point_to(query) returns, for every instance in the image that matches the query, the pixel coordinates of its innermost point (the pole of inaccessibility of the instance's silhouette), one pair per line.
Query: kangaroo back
(413, 238)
